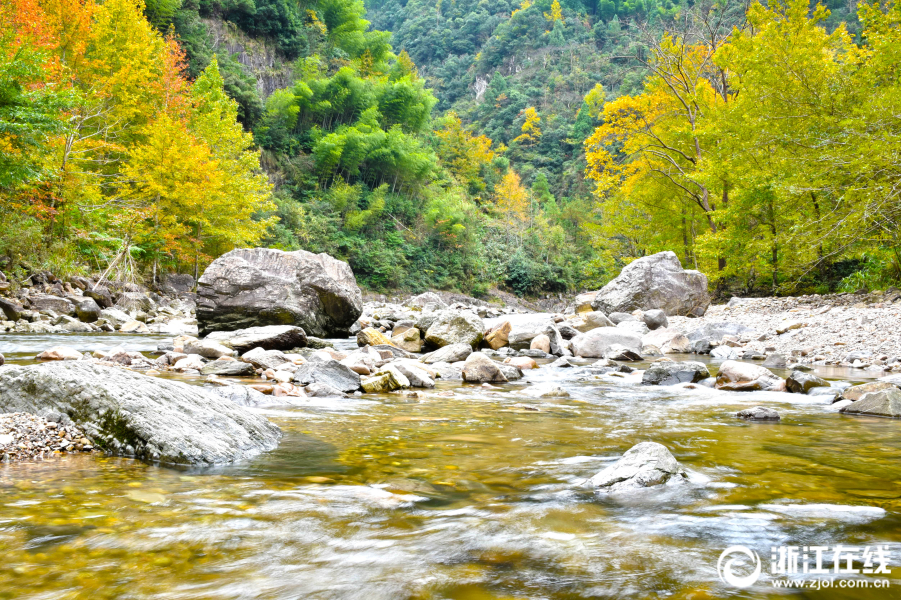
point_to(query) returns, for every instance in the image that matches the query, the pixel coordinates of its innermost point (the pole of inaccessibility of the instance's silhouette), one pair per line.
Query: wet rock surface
(881, 403)
(758, 413)
(737, 376)
(672, 373)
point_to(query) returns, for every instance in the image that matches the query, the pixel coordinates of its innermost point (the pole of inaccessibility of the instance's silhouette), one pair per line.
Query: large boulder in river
(656, 281)
(455, 327)
(882, 403)
(597, 342)
(737, 376)
(251, 287)
(131, 414)
(672, 373)
(271, 337)
(643, 465)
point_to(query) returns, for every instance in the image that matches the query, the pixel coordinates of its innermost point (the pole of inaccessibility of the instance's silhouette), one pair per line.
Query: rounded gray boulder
(250, 287)
(656, 281)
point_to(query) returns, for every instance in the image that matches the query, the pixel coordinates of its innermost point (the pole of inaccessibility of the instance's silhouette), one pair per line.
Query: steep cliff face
(270, 69)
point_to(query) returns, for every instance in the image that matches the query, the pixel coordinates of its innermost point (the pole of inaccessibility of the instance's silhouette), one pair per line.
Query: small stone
(523, 363)
(479, 368)
(775, 361)
(758, 413)
(643, 465)
(60, 353)
(498, 337)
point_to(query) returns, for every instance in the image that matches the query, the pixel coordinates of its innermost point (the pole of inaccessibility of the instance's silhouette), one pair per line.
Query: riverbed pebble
(25, 436)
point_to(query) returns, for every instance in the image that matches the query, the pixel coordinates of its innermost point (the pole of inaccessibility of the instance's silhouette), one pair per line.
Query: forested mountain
(458, 144)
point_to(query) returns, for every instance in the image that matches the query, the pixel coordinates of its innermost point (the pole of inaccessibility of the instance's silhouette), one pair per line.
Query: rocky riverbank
(850, 330)
(755, 344)
(47, 305)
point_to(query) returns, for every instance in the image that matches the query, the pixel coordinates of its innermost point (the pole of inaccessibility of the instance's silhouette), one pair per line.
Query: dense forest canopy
(536, 145)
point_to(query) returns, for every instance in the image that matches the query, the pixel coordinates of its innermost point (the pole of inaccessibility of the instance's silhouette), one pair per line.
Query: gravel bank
(861, 331)
(24, 437)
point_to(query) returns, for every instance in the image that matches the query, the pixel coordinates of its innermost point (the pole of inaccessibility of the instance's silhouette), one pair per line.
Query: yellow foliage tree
(660, 145)
(463, 153)
(594, 100)
(523, 6)
(512, 202)
(556, 13)
(531, 132)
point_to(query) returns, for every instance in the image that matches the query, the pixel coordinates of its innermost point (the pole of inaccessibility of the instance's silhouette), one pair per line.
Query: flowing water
(473, 496)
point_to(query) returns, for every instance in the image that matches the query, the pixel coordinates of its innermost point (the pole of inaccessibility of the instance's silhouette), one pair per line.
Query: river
(473, 496)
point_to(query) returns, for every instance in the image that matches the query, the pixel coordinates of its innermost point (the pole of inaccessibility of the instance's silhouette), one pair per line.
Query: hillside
(535, 146)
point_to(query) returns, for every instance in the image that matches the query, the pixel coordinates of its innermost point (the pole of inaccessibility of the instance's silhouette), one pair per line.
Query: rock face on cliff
(134, 415)
(251, 287)
(655, 282)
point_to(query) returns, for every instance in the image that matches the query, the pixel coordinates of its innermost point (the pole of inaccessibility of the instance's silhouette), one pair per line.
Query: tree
(513, 203)
(556, 13)
(463, 153)
(660, 142)
(531, 132)
(29, 102)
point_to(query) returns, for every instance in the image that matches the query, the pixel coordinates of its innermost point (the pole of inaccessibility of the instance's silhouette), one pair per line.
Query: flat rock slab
(130, 414)
(269, 337)
(328, 372)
